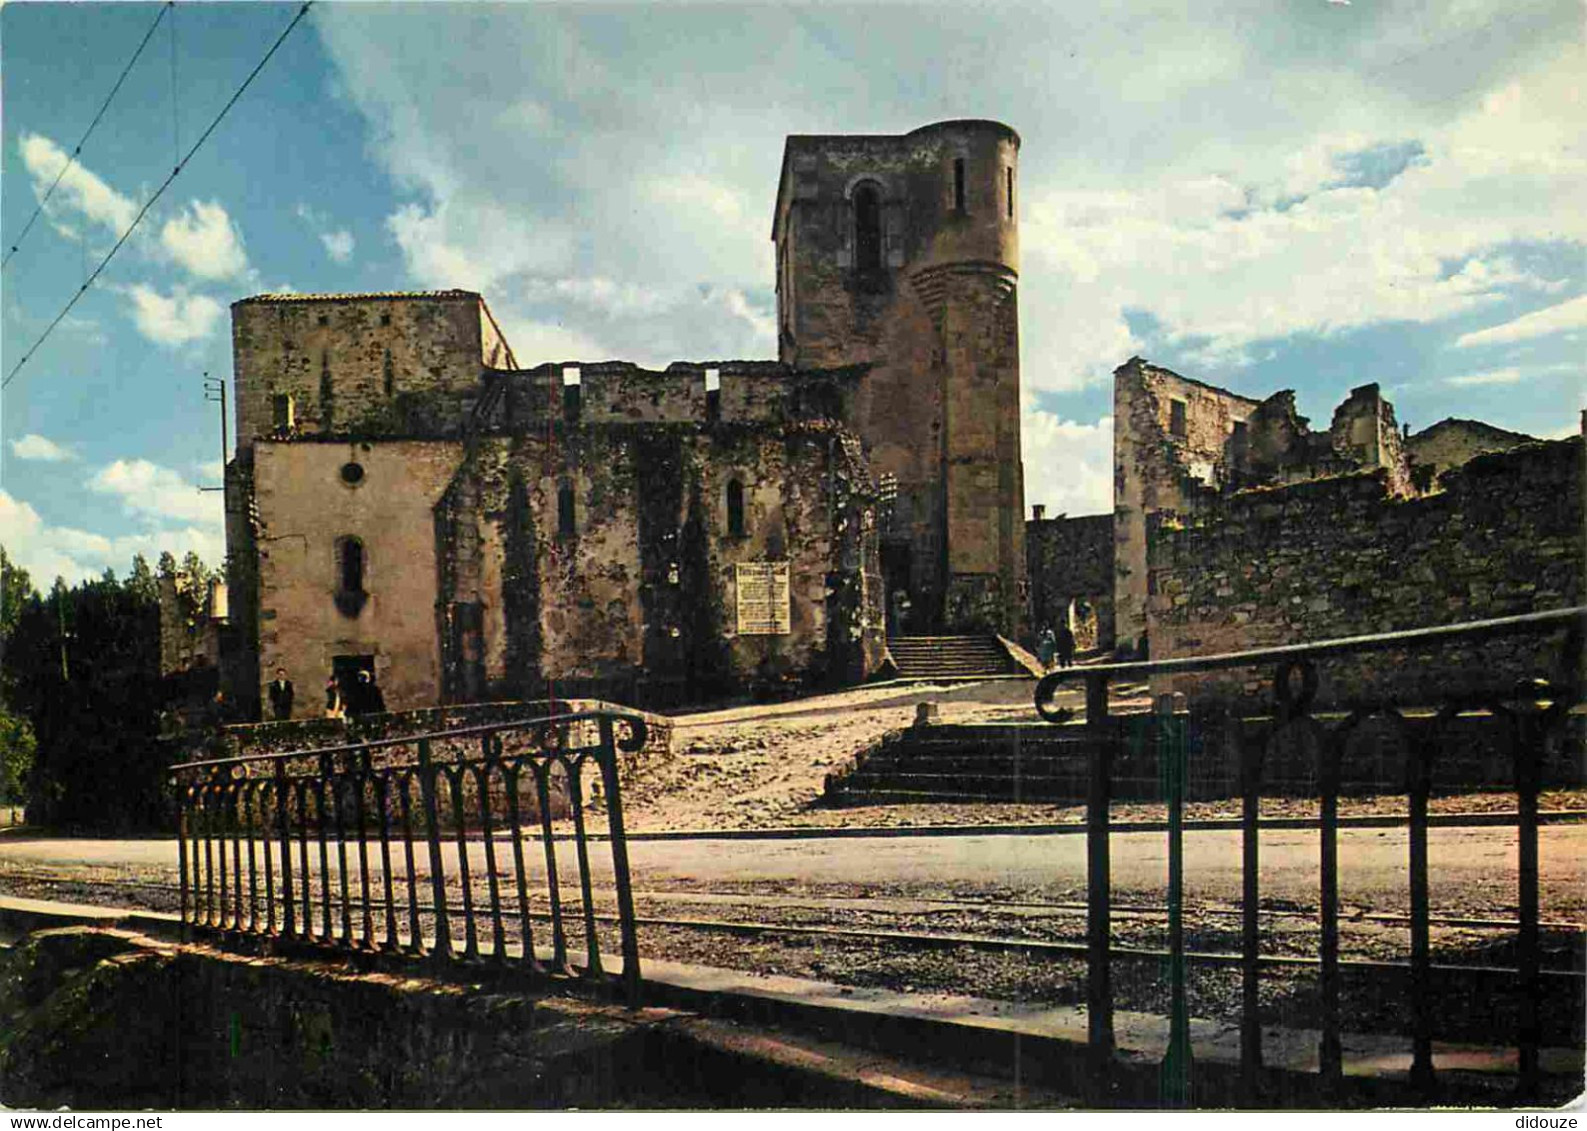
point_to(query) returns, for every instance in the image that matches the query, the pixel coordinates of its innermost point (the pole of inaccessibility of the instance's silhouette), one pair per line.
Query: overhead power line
(72, 160)
(175, 172)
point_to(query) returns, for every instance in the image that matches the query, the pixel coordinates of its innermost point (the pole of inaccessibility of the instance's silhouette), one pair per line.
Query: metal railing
(1532, 714)
(442, 814)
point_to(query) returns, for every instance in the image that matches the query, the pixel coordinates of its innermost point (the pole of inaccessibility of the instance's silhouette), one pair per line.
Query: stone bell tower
(902, 252)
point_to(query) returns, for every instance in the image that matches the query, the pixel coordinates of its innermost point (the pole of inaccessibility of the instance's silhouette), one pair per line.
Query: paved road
(1471, 867)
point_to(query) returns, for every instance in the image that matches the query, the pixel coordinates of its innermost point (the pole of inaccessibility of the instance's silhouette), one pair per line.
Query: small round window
(352, 473)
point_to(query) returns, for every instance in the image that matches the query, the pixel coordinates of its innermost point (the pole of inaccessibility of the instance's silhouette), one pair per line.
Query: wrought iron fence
(280, 846)
(1532, 716)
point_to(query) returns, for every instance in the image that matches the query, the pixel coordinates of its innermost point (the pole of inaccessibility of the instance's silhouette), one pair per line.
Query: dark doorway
(901, 614)
(346, 669)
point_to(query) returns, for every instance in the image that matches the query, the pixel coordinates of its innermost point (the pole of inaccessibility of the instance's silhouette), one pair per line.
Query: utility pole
(215, 391)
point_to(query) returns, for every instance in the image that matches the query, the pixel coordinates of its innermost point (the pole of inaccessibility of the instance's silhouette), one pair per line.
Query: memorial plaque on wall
(763, 599)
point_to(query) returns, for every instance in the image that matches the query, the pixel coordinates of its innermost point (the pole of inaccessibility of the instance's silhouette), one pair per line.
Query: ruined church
(407, 499)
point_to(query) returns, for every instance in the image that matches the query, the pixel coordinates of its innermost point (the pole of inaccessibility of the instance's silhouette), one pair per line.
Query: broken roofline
(1142, 363)
(687, 369)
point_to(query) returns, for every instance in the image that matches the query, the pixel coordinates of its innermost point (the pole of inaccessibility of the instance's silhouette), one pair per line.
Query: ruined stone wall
(1365, 433)
(1344, 557)
(360, 365)
(638, 601)
(306, 507)
(1157, 466)
(1070, 564)
(932, 309)
(624, 393)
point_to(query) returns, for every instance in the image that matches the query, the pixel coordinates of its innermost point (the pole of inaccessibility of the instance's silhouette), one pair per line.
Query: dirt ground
(765, 766)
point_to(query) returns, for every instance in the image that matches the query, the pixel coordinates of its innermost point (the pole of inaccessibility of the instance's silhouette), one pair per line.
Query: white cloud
(338, 244)
(1314, 177)
(1489, 377)
(80, 191)
(1571, 315)
(175, 319)
(474, 244)
(203, 240)
(1068, 464)
(150, 491)
(36, 447)
(47, 551)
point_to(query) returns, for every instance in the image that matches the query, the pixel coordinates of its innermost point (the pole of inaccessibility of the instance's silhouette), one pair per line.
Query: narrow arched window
(350, 566)
(867, 228)
(735, 508)
(567, 525)
(958, 184)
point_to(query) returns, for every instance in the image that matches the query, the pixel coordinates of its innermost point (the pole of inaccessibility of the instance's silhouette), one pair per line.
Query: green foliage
(82, 691)
(15, 589)
(17, 750)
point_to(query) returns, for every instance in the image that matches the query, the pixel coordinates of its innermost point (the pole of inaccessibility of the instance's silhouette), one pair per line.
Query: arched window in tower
(958, 184)
(567, 524)
(735, 508)
(867, 228)
(350, 568)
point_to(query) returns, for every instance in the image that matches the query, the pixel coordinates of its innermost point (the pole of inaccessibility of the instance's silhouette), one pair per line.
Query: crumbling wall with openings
(614, 548)
(1070, 565)
(1176, 438)
(1347, 556)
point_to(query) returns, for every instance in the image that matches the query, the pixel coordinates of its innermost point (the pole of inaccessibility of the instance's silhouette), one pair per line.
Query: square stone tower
(902, 253)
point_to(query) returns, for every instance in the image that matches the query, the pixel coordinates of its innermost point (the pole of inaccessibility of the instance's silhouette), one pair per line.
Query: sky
(1263, 195)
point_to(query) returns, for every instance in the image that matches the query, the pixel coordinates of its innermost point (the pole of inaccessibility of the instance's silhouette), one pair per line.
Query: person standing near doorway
(333, 698)
(1066, 646)
(281, 695)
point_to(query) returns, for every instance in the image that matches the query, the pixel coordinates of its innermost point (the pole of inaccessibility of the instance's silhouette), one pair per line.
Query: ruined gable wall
(1154, 469)
(367, 365)
(1343, 557)
(304, 507)
(1451, 443)
(1071, 559)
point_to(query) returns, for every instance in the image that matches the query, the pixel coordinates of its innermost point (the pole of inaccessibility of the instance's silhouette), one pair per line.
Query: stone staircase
(981, 762)
(951, 657)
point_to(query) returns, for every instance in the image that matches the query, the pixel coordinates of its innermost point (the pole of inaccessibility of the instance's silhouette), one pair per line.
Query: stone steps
(948, 657)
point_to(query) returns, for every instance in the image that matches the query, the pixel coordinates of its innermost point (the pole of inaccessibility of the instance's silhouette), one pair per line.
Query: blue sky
(1307, 195)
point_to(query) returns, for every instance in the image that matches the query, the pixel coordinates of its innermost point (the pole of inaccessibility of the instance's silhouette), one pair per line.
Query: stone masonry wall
(639, 601)
(1071, 560)
(1342, 557)
(306, 507)
(360, 365)
(1154, 469)
(934, 315)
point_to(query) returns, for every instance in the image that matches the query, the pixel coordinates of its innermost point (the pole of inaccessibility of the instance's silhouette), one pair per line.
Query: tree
(83, 667)
(15, 588)
(18, 747)
(141, 582)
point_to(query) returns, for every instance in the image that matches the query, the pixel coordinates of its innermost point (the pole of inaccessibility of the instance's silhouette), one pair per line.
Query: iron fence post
(1420, 752)
(620, 874)
(1529, 736)
(181, 854)
(1250, 754)
(1099, 981)
(432, 834)
(284, 822)
(1176, 1068)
